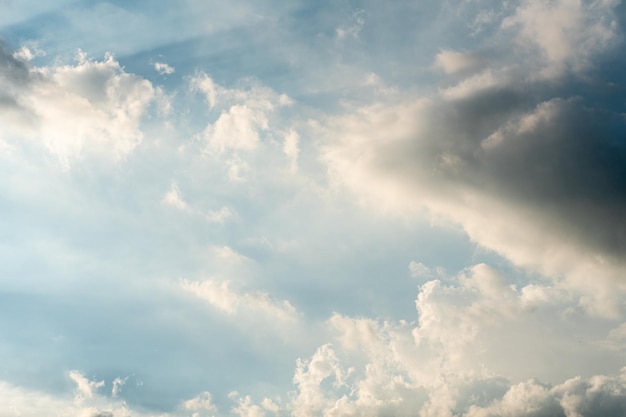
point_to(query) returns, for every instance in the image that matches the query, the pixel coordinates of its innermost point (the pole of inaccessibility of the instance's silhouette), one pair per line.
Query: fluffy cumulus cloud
(88, 108)
(477, 348)
(244, 115)
(474, 350)
(470, 332)
(529, 170)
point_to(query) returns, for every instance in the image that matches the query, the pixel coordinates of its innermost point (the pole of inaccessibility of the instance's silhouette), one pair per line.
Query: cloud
(324, 387)
(222, 215)
(452, 61)
(291, 150)
(118, 383)
(201, 405)
(88, 402)
(173, 198)
(89, 108)
(163, 69)
(238, 128)
(84, 387)
(221, 296)
(598, 396)
(28, 53)
(567, 33)
(419, 270)
(535, 177)
(353, 28)
(470, 332)
(480, 346)
(246, 408)
(512, 146)
(228, 254)
(245, 113)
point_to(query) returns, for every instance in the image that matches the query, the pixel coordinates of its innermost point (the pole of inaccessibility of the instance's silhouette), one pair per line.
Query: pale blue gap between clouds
(129, 247)
(270, 40)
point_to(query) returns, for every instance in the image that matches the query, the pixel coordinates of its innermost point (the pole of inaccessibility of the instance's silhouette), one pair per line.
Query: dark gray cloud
(15, 76)
(561, 158)
(528, 154)
(12, 70)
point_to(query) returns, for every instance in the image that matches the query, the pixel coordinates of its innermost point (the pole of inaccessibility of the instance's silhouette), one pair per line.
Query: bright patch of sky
(312, 208)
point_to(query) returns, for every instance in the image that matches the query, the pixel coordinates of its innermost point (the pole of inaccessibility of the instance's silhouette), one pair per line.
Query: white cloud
(453, 61)
(353, 28)
(245, 113)
(20, 401)
(24, 402)
(454, 152)
(228, 254)
(118, 383)
(238, 128)
(237, 170)
(309, 375)
(222, 215)
(221, 296)
(84, 387)
(173, 198)
(201, 405)
(419, 270)
(246, 408)
(28, 53)
(470, 333)
(163, 69)
(324, 387)
(471, 329)
(90, 108)
(481, 83)
(205, 84)
(567, 32)
(291, 150)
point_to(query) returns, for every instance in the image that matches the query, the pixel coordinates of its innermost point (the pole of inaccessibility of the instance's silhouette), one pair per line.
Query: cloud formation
(164, 69)
(530, 173)
(471, 331)
(502, 119)
(244, 116)
(89, 108)
(220, 295)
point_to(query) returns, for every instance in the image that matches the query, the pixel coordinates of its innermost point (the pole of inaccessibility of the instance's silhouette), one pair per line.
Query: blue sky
(312, 208)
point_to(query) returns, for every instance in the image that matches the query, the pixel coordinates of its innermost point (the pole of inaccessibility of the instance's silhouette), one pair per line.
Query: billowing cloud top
(272, 209)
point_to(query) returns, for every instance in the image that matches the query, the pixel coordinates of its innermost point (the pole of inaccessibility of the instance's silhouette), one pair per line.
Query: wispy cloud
(223, 297)
(164, 69)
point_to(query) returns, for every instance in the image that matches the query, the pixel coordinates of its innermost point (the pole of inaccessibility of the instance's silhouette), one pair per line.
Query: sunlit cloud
(285, 209)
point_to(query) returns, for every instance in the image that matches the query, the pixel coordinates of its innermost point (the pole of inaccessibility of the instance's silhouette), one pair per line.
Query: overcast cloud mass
(313, 208)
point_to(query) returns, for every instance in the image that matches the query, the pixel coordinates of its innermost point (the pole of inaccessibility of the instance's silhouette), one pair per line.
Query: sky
(312, 208)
